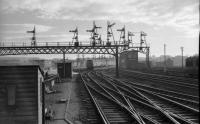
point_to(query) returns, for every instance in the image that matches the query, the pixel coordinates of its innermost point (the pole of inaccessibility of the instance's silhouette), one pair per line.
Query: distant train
(192, 66)
(89, 64)
(192, 61)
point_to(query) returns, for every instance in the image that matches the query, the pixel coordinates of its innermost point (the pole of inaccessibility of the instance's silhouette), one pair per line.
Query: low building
(128, 59)
(64, 69)
(21, 95)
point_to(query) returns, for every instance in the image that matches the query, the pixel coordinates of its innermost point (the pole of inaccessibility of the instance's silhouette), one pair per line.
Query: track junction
(128, 100)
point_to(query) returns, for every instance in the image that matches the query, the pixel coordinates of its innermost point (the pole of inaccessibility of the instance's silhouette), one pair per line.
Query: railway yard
(131, 93)
(98, 97)
(115, 89)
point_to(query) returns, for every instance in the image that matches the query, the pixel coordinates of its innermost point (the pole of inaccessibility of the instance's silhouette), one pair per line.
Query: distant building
(129, 60)
(20, 95)
(169, 63)
(178, 61)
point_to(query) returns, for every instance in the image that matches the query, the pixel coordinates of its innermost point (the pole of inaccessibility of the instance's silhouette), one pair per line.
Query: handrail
(64, 43)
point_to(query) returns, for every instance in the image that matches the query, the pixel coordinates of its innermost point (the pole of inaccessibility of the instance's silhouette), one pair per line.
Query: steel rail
(135, 114)
(161, 78)
(182, 107)
(107, 96)
(191, 101)
(165, 76)
(164, 85)
(162, 91)
(141, 84)
(113, 97)
(172, 121)
(105, 120)
(191, 104)
(172, 102)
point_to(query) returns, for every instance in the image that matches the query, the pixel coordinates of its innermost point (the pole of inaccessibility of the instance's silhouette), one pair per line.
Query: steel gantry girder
(59, 50)
(114, 50)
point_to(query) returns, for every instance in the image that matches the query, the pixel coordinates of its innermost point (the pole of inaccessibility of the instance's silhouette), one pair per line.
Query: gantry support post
(117, 62)
(64, 63)
(147, 58)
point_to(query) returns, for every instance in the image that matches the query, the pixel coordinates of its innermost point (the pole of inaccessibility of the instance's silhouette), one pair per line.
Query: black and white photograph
(99, 61)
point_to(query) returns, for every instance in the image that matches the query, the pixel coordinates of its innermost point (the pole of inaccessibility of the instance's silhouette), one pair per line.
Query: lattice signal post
(33, 39)
(95, 47)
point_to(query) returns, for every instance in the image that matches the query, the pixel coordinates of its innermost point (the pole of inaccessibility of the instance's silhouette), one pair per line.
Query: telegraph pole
(165, 68)
(182, 56)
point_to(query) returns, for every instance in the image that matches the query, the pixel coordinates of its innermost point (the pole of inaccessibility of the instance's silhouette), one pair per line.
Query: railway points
(103, 94)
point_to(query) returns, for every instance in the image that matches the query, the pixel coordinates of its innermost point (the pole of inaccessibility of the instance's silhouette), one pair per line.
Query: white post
(165, 66)
(182, 56)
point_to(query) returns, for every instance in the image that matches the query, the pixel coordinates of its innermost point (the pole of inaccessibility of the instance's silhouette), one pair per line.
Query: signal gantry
(130, 35)
(33, 39)
(75, 37)
(96, 45)
(142, 39)
(95, 37)
(110, 33)
(122, 39)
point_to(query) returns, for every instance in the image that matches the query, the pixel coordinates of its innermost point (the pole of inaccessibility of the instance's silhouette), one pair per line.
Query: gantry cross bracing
(58, 50)
(71, 49)
(67, 49)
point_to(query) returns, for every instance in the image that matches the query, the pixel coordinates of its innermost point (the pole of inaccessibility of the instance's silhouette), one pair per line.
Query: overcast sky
(173, 22)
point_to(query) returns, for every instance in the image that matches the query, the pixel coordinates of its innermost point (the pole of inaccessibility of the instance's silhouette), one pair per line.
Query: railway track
(143, 107)
(176, 72)
(187, 87)
(88, 112)
(181, 112)
(109, 110)
(188, 100)
(179, 80)
(161, 79)
(125, 102)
